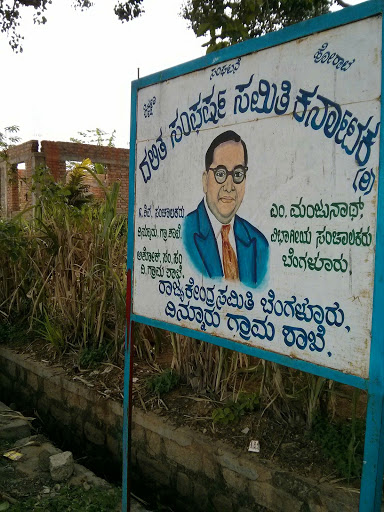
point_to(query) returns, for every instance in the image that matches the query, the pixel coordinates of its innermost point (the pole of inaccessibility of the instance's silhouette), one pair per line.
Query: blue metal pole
(373, 468)
(373, 465)
(128, 365)
(128, 383)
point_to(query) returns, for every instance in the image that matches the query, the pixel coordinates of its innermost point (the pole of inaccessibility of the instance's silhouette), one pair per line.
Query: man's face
(225, 199)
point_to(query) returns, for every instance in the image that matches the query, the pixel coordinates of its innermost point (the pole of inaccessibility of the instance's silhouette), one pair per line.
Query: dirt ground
(27, 482)
(16, 485)
(288, 445)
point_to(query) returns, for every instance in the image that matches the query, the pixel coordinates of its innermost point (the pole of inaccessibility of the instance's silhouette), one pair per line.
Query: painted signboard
(256, 210)
(255, 197)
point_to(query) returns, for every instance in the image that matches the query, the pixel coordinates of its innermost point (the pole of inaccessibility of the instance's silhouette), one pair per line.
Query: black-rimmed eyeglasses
(221, 173)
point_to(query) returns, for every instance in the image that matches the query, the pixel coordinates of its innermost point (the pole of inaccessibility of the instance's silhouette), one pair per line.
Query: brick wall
(15, 185)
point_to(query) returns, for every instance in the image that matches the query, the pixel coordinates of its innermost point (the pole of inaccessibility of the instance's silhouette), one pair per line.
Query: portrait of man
(219, 243)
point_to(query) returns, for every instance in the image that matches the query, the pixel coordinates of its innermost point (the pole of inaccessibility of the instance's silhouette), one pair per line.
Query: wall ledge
(177, 461)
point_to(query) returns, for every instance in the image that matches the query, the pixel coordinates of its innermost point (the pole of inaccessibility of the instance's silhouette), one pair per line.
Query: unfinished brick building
(16, 172)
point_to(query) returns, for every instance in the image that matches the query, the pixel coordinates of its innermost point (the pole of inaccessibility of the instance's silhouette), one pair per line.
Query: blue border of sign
(371, 486)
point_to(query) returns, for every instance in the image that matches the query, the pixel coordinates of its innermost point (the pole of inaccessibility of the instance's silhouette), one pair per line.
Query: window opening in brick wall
(70, 165)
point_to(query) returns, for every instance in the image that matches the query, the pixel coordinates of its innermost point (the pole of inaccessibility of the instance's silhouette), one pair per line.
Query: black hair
(227, 136)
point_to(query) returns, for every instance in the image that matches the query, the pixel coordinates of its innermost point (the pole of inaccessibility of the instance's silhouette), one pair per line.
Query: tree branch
(342, 3)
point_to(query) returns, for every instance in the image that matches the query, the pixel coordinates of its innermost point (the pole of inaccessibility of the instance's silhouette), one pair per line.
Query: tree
(228, 22)
(11, 13)
(96, 137)
(8, 138)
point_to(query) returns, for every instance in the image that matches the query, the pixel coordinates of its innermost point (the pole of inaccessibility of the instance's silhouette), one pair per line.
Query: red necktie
(231, 269)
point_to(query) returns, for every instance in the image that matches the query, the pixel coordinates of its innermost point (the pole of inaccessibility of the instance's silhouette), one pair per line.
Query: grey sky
(75, 71)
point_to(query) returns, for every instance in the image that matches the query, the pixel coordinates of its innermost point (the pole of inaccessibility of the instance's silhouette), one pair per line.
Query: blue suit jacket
(200, 242)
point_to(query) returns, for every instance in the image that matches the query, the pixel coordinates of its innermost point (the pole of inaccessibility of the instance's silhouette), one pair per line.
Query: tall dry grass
(293, 396)
(64, 269)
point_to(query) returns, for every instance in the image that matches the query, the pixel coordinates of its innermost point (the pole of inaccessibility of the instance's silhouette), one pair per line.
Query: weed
(233, 411)
(342, 442)
(91, 357)
(51, 331)
(12, 333)
(73, 500)
(163, 383)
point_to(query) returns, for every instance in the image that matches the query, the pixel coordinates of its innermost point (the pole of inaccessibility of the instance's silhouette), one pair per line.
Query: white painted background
(286, 161)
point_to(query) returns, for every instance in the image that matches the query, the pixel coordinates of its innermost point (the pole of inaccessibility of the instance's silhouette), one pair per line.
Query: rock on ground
(61, 466)
(41, 464)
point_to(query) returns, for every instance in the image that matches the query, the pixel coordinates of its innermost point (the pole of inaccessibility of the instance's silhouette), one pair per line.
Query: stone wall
(198, 474)
(15, 184)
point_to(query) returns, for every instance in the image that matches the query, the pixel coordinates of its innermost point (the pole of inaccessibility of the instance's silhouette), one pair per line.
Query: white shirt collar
(216, 225)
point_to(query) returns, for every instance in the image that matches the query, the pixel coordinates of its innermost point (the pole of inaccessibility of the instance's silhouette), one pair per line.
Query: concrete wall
(199, 474)
(15, 185)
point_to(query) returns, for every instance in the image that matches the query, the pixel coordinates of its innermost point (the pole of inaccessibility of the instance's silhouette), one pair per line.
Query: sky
(75, 71)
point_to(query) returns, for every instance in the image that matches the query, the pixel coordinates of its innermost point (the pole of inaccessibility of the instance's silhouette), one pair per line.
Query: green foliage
(163, 382)
(10, 333)
(72, 193)
(16, 274)
(227, 22)
(73, 499)
(92, 357)
(8, 138)
(234, 410)
(12, 240)
(76, 192)
(96, 137)
(11, 14)
(129, 10)
(50, 330)
(342, 442)
(63, 268)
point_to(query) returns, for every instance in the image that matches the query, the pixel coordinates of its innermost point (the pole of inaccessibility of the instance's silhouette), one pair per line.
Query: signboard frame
(373, 468)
